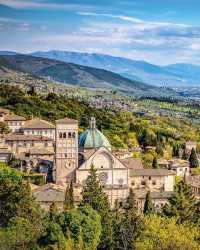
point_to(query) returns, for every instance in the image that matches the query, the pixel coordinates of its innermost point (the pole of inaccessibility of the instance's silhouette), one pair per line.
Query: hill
(168, 76)
(77, 75)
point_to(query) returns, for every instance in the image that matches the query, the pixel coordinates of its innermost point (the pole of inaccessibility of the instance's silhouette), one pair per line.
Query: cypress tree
(155, 163)
(184, 155)
(94, 196)
(130, 226)
(194, 163)
(148, 205)
(182, 204)
(69, 197)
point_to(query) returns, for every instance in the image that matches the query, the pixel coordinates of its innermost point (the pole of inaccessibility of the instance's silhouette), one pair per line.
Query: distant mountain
(73, 74)
(7, 53)
(170, 76)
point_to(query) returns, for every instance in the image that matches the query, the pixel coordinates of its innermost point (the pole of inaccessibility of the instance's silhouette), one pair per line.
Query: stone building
(181, 167)
(66, 155)
(39, 127)
(15, 122)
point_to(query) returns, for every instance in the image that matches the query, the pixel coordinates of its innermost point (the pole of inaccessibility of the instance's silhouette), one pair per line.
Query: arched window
(73, 135)
(69, 135)
(64, 135)
(60, 135)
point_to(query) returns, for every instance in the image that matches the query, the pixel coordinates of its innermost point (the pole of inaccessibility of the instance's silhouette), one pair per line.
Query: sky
(158, 31)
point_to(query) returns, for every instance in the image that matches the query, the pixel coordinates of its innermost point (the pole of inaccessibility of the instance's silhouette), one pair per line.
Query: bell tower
(66, 157)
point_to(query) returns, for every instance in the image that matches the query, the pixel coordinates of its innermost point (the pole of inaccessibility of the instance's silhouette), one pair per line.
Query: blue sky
(158, 31)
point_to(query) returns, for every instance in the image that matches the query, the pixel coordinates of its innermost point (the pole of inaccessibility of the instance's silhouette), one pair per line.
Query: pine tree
(130, 226)
(69, 197)
(155, 163)
(194, 163)
(53, 211)
(182, 204)
(94, 196)
(148, 205)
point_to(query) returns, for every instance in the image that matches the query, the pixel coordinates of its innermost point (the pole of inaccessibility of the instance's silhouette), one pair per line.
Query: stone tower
(66, 158)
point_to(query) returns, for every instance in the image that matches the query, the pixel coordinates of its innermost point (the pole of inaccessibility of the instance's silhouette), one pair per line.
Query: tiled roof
(151, 172)
(38, 124)
(5, 111)
(132, 163)
(14, 118)
(22, 137)
(66, 120)
(154, 195)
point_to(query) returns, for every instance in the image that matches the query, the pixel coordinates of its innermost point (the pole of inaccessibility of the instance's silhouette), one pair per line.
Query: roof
(178, 163)
(93, 138)
(14, 118)
(151, 172)
(133, 163)
(154, 195)
(5, 151)
(21, 137)
(66, 120)
(38, 124)
(5, 111)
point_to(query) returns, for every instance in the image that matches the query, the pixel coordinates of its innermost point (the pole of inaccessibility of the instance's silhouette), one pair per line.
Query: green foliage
(4, 129)
(155, 163)
(194, 163)
(69, 197)
(182, 204)
(94, 196)
(148, 205)
(164, 233)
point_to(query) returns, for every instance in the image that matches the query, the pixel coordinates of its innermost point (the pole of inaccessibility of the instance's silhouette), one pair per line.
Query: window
(149, 177)
(64, 135)
(69, 135)
(32, 144)
(143, 183)
(74, 135)
(133, 183)
(154, 183)
(24, 144)
(60, 135)
(65, 155)
(46, 144)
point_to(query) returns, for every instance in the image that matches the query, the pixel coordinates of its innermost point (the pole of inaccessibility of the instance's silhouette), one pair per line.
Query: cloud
(36, 4)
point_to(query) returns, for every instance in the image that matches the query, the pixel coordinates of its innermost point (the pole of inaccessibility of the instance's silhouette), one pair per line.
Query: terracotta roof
(5, 111)
(21, 137)
(14, 118)
(154, 195)
(133, 163)
(151, 172)
(66, 120)
(38, 124)
(177, 163)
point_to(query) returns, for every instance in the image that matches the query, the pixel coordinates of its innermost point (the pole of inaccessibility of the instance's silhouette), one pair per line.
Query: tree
(69, 197)
(182, 204)
(194, 163)
(155, 163)
(16, 198)
(4, 129)
(148, 205)
(164, 233)
(185, 154)
(130, 225)
(94, 196)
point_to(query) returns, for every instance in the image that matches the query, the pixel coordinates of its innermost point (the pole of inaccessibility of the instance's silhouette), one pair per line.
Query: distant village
(54, 155)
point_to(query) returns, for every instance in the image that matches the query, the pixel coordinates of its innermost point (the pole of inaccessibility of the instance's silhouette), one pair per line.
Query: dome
(93, 138)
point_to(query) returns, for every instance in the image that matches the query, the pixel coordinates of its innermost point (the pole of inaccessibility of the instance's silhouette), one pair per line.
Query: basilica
(60, 155)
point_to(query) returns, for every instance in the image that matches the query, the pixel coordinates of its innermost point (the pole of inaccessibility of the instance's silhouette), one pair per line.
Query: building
(66, 155)
(152, 179)
(189, 145)
(181, 167)
(39, 127)
(5, 155)
(194, 182)
(20, 143)
(15, 122)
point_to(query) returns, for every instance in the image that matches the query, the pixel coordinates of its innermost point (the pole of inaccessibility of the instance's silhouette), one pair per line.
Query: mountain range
(76, 75)
(175, 75)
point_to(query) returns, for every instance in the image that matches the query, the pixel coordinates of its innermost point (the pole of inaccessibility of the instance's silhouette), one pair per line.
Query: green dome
(93, 138)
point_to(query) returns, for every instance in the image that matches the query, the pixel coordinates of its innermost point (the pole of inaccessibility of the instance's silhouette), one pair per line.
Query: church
(75, 156)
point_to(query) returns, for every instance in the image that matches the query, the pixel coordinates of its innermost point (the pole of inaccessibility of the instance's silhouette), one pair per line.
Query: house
(152, 179)
(20, 143)
(181, 167)
(5, 155)
(159, 199)
(15, 122)
(189, 145)
(39, 127)
(194, 182)
(122, 154)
